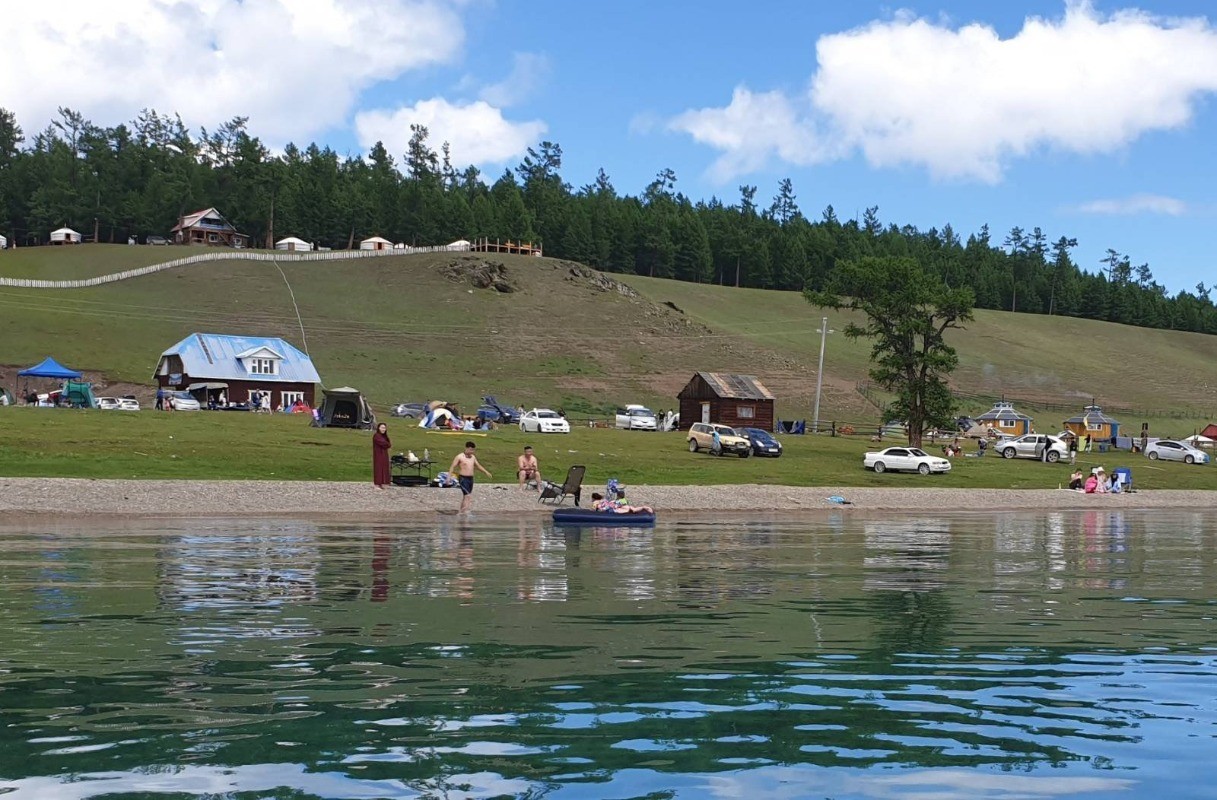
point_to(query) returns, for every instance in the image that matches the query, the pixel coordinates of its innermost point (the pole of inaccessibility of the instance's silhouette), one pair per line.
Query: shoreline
(72, 497)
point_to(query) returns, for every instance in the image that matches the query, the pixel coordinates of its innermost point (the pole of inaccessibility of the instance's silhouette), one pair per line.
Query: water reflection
(1028, 655)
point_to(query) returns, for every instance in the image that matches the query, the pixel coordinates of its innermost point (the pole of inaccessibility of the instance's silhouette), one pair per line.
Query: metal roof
(736, 387)
(217, 356)
(1092, 415)
(198, 220)
(1003, 410)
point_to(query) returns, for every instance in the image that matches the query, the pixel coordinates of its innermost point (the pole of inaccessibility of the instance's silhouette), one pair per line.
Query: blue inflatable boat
(591, 517)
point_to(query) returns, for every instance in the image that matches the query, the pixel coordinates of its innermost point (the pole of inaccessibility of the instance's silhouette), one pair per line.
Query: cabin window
(1094, 426)
(291, 398)
(263, 366)
(745, 412)
(1006, 423)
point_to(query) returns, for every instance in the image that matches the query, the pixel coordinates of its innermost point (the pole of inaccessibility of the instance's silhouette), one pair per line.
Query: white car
(182, 401)
(542, 420)
(107, 403)
(128, 404)
(1032, 445)
(911, 459)
(636, 418)
(1171, 450)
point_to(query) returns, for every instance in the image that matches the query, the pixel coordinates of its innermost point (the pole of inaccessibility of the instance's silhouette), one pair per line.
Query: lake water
(1014, 655)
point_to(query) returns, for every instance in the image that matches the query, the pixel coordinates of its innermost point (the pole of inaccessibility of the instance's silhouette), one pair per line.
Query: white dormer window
(263, 366)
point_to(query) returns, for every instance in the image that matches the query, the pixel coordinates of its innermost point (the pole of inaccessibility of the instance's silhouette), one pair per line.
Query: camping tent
(49, 368)
(344, 408)
(79, 394)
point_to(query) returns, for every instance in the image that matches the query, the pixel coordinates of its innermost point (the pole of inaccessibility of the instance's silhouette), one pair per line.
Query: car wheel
(1053, 456)
(1188, 459)
(1008, 453)
(1153, 455)
(692, 445)
(879, 467)
(924, 469)
(745, 454)
(523, 428)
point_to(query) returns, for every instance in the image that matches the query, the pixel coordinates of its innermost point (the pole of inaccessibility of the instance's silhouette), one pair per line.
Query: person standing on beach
(463, 466)
(380, 457)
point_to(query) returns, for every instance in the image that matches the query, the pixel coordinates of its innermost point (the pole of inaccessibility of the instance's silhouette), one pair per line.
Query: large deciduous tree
(908, 312)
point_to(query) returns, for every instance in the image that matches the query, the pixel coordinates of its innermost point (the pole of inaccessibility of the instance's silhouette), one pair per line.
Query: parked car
(1170, 450)
(1031, 445)
(183, 401)
(107, 403)
(128, 404)
(543, 420)
(636, 418)
(409, 410)
(158, 240)
(763, 442)
(701, 437)
(909, 459)
(494, 411)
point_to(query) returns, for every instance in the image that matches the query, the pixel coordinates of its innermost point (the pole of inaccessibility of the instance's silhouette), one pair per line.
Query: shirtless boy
(463, 466)
(527, 469)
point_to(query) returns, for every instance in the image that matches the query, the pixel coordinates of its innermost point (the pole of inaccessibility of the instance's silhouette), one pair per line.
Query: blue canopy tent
(49, 368)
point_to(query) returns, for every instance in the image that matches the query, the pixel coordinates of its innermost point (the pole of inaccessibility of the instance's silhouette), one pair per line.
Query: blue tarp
(49, 368)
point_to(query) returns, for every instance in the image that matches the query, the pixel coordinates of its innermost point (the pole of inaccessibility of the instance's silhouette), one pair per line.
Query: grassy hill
(419, 327)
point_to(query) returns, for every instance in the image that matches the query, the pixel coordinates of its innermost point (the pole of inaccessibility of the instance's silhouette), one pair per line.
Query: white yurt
(291, 243)
(375, 243)
(3, 243)
(65, 236)
(460, 244)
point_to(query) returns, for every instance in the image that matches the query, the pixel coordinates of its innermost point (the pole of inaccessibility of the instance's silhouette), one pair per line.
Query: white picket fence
(227, 255)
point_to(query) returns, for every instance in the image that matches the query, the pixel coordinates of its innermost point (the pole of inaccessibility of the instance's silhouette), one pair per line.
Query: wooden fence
(226, 255)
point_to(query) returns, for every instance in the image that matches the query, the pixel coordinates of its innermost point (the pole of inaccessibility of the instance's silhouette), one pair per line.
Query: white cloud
(294, 67)
(750, 129)
(1137, 204)
(528, 72)
(962, 102)
(477, 132)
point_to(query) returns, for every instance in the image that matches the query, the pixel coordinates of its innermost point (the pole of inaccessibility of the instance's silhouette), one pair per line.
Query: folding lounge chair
(571, 486)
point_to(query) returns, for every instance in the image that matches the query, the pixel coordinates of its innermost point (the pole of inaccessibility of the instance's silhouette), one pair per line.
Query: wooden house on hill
(1004, 419)
(1094, 423)
(735, 400)
(208, 227)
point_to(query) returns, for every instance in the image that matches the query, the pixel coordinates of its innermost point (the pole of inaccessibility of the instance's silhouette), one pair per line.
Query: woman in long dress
(380, 457)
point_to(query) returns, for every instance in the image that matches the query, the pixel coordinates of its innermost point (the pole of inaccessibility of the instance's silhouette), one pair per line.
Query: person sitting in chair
(528, 470)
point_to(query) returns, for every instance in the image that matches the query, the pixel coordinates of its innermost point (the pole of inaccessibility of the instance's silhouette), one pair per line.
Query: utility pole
(815, 424)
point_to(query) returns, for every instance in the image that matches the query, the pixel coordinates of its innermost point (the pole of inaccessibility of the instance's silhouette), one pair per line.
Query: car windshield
(183, 396)
(757, 433)
(547, 415)
(725, 431)
(641, 412)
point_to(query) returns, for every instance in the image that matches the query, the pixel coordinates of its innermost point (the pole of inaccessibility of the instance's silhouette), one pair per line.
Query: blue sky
(1090, 120)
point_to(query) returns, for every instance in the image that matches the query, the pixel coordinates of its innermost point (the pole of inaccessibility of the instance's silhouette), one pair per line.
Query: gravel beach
(69, 496)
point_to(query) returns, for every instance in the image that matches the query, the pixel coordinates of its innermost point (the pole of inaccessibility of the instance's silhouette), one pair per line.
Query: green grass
(65, 263)
(214, 446)
(399, 328)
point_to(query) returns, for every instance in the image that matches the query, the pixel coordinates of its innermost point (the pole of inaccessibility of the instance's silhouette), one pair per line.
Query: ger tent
(344, 408)
(49, 368)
